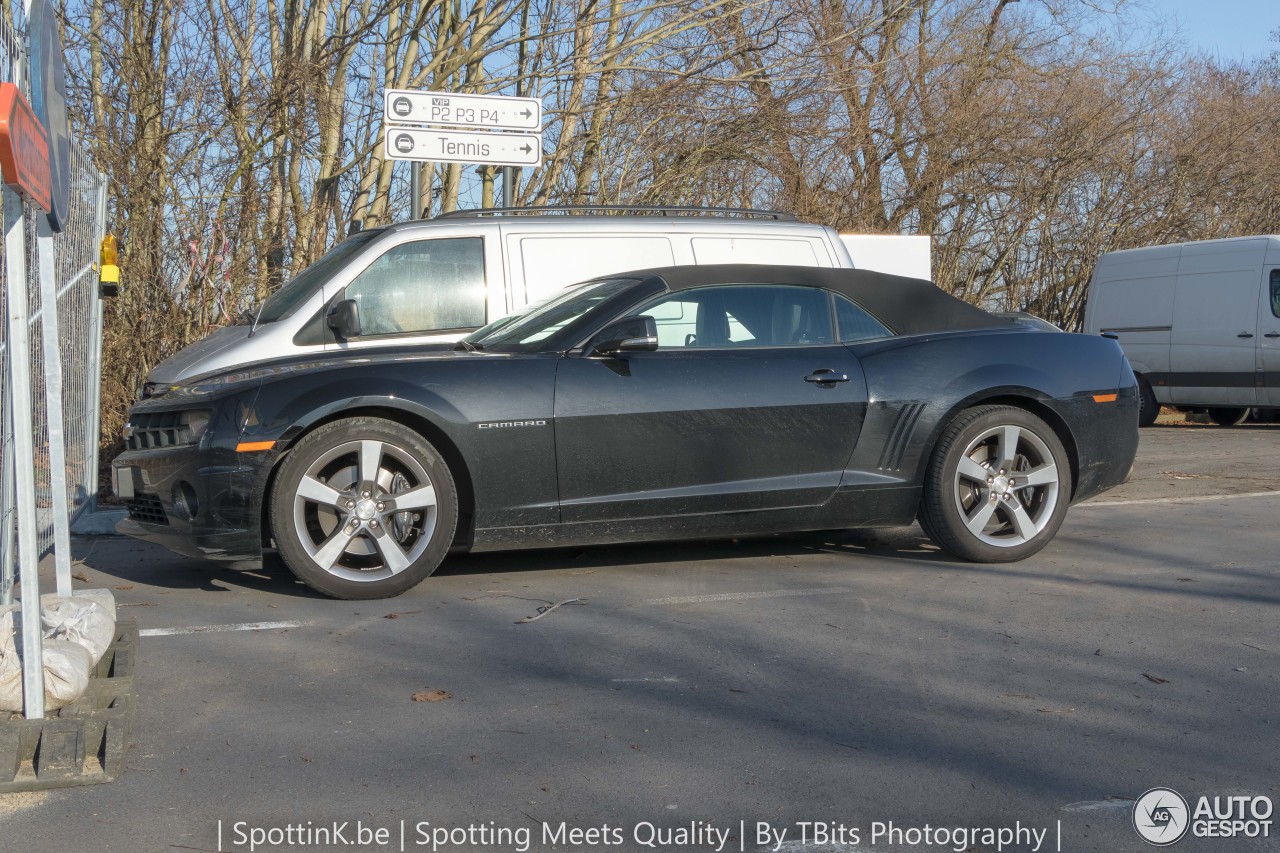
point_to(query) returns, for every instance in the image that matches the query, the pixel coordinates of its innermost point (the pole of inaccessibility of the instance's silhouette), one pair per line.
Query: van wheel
(1148, 408)
(363, 508)
(1227, 416)
(997, 486)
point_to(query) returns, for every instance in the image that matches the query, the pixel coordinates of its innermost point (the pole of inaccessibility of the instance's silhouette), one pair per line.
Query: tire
(1148, 408)
(1227, 415)
(1010, 521)
(341, 529)
(1264, 415)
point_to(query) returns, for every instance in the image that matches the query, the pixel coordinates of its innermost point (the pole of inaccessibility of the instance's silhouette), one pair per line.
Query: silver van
(433, 281)
(1199, 322)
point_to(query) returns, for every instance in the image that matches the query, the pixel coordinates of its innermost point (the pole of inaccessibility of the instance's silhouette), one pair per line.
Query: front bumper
(198, 502)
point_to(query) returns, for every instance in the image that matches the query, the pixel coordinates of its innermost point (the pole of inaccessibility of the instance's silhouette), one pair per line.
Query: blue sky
(1232, 29)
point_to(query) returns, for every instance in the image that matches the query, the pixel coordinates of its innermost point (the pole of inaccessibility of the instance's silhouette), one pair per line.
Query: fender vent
(896, 446)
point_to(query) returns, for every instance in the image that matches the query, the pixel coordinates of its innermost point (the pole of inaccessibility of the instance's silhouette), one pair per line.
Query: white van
(433, 281)
(1200, 323)
(895, 254)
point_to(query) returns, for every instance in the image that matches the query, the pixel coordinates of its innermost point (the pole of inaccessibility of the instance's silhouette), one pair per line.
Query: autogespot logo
(1160, 816)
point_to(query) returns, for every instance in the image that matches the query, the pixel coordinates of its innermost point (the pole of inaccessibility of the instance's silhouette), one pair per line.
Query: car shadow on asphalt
(134, 562)
(130, 563)
(906, 543)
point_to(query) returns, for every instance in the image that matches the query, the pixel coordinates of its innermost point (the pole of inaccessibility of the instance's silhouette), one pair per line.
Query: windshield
(523, 332)
(502, 322)
(284, 300)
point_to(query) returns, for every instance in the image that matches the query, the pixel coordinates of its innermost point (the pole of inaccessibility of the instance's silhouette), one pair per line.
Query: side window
(426, 286)
(1275, 293)
(855, 324)
(742, 316)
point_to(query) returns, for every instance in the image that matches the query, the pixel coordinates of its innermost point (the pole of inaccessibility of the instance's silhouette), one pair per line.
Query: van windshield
(281, 303)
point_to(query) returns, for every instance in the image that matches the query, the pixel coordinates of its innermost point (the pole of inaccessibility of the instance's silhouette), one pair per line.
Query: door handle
(826, 376)
(1245, 335)
(1272, 335)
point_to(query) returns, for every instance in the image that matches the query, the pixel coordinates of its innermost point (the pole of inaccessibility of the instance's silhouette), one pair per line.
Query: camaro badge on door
(505, 424)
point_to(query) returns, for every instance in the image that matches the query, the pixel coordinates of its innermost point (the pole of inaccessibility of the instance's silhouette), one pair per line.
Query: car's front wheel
(997, 486)
(363, 508)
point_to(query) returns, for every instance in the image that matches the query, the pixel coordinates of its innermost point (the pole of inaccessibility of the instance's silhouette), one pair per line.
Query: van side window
(1275, 293)
(424, 286)
(855, 324)
(742, 316)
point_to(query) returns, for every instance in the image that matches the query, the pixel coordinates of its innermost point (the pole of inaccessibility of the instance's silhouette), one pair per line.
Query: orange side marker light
(1104, 398)
(250, 446)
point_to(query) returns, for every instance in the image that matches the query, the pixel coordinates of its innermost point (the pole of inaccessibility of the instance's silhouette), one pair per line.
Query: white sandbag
(66, 666)
(10, 663)
(86, 618)
(66, 672)
(105, 597)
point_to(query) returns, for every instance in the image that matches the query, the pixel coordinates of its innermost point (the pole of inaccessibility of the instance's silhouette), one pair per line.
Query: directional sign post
(488, 112)
(451, 128)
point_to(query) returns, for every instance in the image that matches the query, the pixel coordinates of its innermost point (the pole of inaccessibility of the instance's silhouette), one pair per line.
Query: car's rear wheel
(1227, 415)
(363, 508)
(997, 486)
(1148, 407)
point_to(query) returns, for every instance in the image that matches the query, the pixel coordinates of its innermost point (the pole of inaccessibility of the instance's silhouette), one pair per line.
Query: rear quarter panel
(917, 385)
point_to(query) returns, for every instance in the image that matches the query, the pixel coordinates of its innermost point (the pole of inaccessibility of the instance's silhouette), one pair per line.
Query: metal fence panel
(79, 315)
(79, 308)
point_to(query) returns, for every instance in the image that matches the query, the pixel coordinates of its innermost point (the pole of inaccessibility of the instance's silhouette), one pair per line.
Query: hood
(208, 381)
(199, 357)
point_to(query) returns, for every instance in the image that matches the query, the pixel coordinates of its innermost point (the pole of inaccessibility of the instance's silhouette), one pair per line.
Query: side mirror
(344, 319)
(629, 334)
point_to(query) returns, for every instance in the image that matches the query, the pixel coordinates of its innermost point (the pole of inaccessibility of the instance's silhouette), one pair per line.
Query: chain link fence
(79, 314)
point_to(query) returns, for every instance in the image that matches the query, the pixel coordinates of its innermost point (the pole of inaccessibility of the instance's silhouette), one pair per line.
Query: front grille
(149, 509)
(157, 429)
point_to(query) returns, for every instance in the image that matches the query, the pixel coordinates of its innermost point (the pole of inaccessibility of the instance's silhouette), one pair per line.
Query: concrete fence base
(83, 743)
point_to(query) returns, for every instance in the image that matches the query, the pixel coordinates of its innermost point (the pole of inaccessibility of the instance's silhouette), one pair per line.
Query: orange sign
(24, 148)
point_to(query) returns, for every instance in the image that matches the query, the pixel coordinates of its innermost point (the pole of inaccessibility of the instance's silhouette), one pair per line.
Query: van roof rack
(614, 209)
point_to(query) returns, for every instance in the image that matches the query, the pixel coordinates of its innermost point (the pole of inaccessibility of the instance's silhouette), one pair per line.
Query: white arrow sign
(495, 112)
(460, 146)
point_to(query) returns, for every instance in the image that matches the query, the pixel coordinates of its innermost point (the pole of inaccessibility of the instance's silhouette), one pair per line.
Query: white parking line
(742, 596)
(211, 629)
(1187, 499)
(671, 679)
(1097, 805)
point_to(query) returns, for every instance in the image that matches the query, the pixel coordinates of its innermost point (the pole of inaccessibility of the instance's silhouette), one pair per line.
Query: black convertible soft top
(908, 306)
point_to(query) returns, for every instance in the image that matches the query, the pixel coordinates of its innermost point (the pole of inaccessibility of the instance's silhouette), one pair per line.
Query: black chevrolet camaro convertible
(676, 403)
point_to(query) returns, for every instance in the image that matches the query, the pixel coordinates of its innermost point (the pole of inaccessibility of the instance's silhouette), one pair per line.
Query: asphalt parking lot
(846, 679)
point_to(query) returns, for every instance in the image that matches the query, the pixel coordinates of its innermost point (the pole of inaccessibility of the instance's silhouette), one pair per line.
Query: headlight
(194, 424)
(154, 389)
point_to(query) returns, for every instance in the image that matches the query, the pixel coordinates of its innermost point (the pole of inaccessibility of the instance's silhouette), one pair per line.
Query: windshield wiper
(468, 346)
